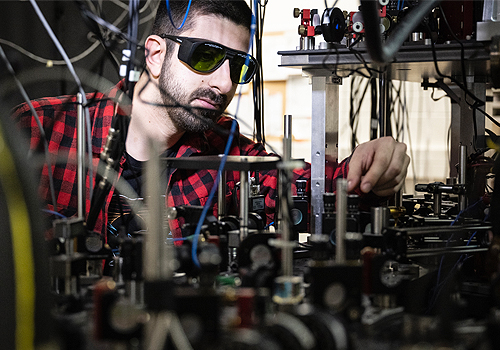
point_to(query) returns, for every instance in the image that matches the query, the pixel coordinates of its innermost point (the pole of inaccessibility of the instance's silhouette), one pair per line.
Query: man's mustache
(216, 98)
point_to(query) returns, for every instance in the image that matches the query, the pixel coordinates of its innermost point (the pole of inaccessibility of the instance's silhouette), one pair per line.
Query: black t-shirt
(120, 215)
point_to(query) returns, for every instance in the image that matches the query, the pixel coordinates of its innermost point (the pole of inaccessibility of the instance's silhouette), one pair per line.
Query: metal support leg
(324, 141)
(244, 195)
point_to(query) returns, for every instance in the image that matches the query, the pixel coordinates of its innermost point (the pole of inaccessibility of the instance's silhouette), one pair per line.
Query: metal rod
(379, 219)
(287, 131)
(80, 149)
(384, 52)
(462, 199)
(286, 225)
(221, 196)
(324, 141)
(244, 195)
(454, 250)
(341, 223)
(437, 203)
(158, 255)
(381, 104)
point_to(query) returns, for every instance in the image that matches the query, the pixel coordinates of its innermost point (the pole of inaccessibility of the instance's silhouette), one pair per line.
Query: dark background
(20, 25)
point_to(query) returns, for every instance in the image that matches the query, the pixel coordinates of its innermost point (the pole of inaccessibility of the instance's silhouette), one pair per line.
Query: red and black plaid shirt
(186, 187)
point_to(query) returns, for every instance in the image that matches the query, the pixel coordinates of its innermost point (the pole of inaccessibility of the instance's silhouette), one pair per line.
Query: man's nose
(220, 79)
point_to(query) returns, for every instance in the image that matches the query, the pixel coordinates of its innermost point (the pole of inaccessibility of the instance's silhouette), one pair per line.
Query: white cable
(145, 7)
(47, 60)
(74, 59)
(91, 4)
(147, 18)
(120, 4)
(125, 6)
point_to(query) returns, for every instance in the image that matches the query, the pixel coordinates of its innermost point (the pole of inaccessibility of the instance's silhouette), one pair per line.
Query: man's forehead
(221, 30)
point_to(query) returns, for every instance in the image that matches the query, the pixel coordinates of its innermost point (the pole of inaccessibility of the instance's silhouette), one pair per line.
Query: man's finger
(394, 184)
(382, 159)
(396, 170)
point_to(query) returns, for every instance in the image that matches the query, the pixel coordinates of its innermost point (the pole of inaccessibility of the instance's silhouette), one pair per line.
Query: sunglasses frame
(188, 46)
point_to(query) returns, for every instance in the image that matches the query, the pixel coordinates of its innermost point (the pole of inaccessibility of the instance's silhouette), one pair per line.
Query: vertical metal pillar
(324, 141)
(158, 255)
(286, 226)
(462, 178)
(341, 222)
(221, 196)
(462, 124)
(244, 196)
(80, 149)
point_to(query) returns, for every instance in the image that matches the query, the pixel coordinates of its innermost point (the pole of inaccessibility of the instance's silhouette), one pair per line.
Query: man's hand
(379, 165)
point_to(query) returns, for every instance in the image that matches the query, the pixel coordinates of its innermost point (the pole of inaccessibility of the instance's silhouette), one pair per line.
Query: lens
(242, 68)
(206, 57)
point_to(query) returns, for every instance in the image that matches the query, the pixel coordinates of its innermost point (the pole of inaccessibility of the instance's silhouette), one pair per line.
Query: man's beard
(191, 120)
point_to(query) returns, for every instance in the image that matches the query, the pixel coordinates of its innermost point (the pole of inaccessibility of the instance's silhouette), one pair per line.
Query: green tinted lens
(206, 57)
(242, 69)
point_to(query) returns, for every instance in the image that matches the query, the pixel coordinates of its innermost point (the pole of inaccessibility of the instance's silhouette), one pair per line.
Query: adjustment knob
(302, 30)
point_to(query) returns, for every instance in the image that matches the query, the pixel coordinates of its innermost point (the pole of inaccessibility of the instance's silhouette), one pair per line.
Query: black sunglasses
(207, 56)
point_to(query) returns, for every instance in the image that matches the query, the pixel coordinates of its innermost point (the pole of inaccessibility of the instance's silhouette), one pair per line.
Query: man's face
(210, 91)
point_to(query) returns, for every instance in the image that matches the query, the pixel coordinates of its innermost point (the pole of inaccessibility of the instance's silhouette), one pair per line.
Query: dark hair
(236, 11)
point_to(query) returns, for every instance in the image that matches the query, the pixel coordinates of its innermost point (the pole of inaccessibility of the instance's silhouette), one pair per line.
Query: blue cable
(442, 258)
(399, 2)
(170, 14)
(268, 225)
(177, 239)
(471, 237)
(212, 193)
(112, 229)
(438, 284)
(224, 158)
(54, 213)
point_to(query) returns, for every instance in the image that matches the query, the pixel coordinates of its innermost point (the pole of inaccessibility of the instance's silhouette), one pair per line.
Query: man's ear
(155, 54)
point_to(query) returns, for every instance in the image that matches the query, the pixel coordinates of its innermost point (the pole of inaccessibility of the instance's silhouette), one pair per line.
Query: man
(174, 77)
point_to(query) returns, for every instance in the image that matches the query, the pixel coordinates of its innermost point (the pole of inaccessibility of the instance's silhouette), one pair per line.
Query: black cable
(350, 72)
(111, 27)
(488, 116)
(458, 83)
(133, 31)
(358, 55)
(462, 48)
(495, 200)
(120, 122)
(94, 28)
(401, 115)
(388, 99)
(78, 82)
(384, 52)
(436, 98)
(351, 114)
(477, 102)
(258, 82)
(397, 114)
(374, 115)
(353, 118)
(354, 114)
(474, 123)
(334, 4)
(464, 74)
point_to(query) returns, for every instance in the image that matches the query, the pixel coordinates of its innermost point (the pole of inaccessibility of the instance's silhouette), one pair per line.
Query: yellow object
(21, 249)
